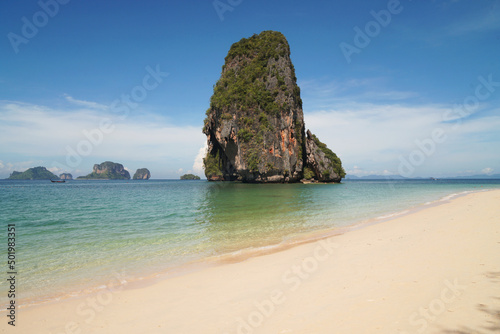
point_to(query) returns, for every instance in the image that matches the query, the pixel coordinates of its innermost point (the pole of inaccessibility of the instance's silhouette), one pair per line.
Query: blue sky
(416, 93)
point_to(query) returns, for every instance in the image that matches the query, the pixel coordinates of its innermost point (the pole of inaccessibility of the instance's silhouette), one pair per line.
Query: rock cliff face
(324, 164)
(66, 176)
(255, 124)
(142, 174)
(108, 171)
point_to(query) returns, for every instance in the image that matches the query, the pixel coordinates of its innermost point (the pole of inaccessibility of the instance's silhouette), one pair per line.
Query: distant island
(66, 176)
(399, 177)
(190, 177)
(35, 173)
(107, 171)
(476, 177)
(142, 174)
(255, 123)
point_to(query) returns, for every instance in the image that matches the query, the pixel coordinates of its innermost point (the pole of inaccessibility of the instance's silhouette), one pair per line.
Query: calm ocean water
(80, 234)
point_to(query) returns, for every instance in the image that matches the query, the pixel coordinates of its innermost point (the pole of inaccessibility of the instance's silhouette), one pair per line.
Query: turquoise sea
(73, 237)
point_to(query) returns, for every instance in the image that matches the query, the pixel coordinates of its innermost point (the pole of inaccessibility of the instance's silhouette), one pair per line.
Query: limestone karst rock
(255, 124)
(142, 174)
(66, 176)
(108, 171)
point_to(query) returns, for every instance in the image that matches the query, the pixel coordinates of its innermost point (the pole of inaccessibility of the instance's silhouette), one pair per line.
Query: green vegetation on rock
(107, 171)
(308, 173)
(35, 173)
(107, 175)
(246, 73)
(190, 177)
(335, 161)
(142, 174)
(212, 166)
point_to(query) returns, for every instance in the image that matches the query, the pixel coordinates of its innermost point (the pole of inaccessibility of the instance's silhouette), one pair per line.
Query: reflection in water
(236, 216)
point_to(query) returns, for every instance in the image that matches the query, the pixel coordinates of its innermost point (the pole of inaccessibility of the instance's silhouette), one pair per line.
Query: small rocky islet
(142, 174)
(104, 171)
(190, 177)
(115, 171)
(66, 176)
(107, 171)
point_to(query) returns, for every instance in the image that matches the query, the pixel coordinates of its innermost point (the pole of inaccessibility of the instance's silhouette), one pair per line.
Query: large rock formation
(142, 174)
(35, 173)
(66, 176)
(255, 124)
(107, 171)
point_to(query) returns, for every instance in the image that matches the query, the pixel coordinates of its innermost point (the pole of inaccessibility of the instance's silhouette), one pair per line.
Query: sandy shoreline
(436, 270)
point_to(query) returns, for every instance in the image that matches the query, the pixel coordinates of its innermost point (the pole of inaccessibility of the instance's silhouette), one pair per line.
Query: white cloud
(324, 93)
(365, 130)
(357, 171)
(20, 166)
(198, 161)
(56, 170)
(38, 131)
(483, 21)
(487, 171)
(371, 133)
(86, 104)
(375, 136)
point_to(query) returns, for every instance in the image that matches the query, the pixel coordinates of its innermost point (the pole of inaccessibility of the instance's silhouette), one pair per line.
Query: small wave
(392, 215)
(454, 195)
(249, 252)
(441, 200)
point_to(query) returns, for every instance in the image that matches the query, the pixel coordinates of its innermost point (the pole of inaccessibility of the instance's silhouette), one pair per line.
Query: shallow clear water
(80, 234)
